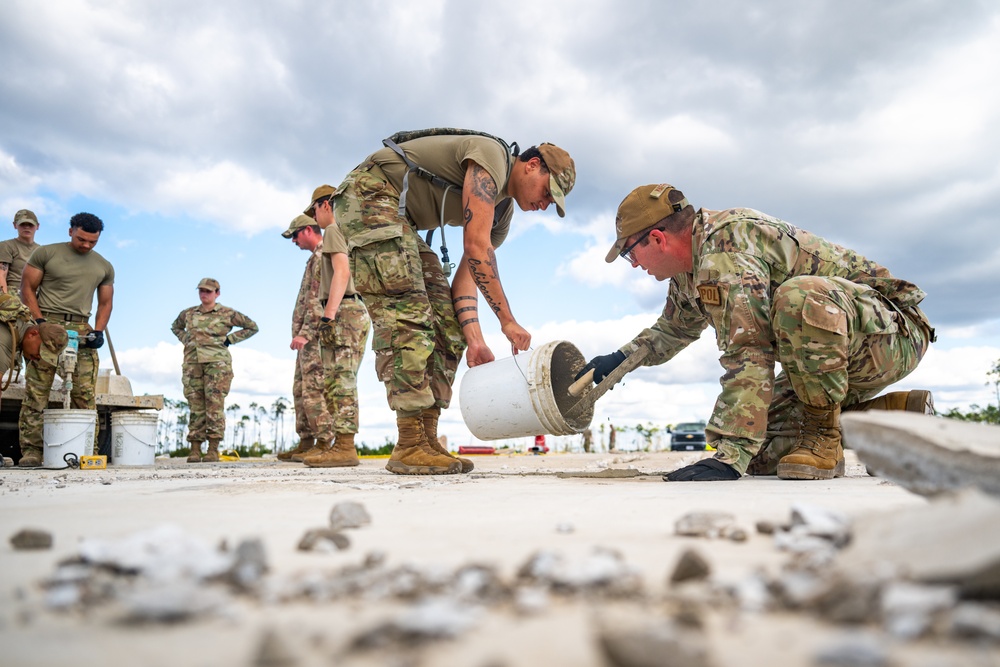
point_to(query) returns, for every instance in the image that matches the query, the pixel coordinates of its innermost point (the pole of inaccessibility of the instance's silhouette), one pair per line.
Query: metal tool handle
(631, 362)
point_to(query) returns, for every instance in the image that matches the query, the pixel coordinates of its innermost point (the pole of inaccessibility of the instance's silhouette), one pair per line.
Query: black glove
(95, 340)
(225, 342)
(708, 470)
(602, 365)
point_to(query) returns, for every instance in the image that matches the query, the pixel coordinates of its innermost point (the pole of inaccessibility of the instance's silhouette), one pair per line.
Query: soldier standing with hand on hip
(207, 371)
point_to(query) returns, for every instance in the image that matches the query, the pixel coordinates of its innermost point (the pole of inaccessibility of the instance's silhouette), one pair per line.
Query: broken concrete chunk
(822, 522)
(691, 566)
(274, 651)
(319, 539)
(910, 610)
(950, 541)
(654, 645)
(975, 621)
(249, 563)
(924, 454)
(710, 525)
(349, 514)
(432, 619)
(30, 538)
(853, 650)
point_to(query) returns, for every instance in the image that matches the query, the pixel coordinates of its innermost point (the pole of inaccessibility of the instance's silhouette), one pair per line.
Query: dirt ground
(510, 508)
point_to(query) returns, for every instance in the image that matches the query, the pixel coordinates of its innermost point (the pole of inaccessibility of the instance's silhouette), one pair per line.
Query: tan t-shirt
(333, 242)
(15, 254)
(448, 157)
(70, 279)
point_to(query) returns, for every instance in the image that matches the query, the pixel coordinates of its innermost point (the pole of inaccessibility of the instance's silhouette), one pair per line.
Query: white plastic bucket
(527, 394)
(65, 432)
(133, 438)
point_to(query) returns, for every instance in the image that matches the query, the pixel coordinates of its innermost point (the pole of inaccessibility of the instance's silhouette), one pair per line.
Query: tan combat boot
(195, 455)
(413, 456)
(31, 457)
(212, 456)
(916, 400)
(818, 453)
(341, 454)
(305, 444)
(430, 418)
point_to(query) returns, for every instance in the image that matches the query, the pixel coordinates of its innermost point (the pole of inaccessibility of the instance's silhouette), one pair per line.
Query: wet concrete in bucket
(567, 361)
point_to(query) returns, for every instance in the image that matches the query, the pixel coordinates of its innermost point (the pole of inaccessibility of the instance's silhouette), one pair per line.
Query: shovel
(590, 397)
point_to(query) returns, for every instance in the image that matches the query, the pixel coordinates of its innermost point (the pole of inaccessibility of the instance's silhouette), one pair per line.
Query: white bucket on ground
(527, 394)
(67, 431)
(133, 438)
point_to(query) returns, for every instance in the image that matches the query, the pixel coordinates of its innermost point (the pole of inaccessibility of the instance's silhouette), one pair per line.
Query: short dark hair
(88, 222)
(533, 152)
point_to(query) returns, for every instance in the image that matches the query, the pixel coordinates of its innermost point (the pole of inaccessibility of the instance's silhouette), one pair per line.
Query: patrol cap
(562, 174)
(209, 283)
(641, 209)
(319, 193)
(23, 216)
(299, 222)
(54, 339)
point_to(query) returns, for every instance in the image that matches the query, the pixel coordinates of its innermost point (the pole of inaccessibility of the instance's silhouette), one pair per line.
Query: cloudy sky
(198, 130)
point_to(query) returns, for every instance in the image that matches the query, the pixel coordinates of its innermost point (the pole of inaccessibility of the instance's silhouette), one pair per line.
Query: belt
(356, 297)
(65, 317)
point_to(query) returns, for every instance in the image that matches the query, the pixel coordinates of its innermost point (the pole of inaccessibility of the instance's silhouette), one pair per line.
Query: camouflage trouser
(838, 342)
(312, 417)
(343, 346)
(417, 340)
(205, 388)
(38, 380)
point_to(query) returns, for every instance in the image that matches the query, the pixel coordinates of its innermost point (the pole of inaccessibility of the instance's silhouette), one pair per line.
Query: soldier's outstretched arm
(478, 195)
(31, 278)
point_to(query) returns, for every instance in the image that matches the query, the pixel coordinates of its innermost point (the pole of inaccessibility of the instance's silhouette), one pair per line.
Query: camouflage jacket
(204, 334)
(308, 309)
(741, 256)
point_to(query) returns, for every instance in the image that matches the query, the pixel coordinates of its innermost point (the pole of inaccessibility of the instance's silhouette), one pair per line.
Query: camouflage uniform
(312, 417)
(207, 370)
(842, 327)
(72, 315)
(417, 340)
(343, 345)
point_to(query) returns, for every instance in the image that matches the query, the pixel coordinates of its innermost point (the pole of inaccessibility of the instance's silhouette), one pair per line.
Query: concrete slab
(926, 454)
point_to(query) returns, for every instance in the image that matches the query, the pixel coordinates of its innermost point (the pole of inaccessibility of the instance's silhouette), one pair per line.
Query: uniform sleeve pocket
(825, 316)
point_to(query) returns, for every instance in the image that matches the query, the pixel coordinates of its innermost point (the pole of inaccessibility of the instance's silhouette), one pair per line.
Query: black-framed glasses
(295, 234)
(626, 253)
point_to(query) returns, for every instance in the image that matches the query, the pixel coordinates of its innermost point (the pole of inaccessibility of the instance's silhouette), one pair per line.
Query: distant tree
(994, 378)
(647, 432)
(988, 415)
(244, 424)
(278, 410)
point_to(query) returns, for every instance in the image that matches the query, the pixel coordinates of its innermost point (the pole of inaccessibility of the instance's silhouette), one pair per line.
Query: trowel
(582, 387)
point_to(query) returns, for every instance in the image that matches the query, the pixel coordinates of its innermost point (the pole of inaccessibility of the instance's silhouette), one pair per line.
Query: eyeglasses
(627, 253)
(295, 234)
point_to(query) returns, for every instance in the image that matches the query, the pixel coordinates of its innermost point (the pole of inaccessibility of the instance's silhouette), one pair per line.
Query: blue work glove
(708, 470)
(95, 340)
(602, 365)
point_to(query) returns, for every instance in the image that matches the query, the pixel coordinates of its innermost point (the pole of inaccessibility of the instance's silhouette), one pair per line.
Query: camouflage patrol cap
(209, 283)
(54, 339)
(299, 222)
(23, 216)
(562, 174)
(641, 209)
(319, 193)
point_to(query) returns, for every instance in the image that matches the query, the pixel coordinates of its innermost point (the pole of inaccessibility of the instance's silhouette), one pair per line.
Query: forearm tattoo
(470, 321)
(487, 274)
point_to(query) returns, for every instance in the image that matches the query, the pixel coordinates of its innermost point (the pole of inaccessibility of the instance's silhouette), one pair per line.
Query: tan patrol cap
(562, 174)
(209, 283)
(319, 193)
(299, 222)
(54, 339)
(23, 216)
(641, 209)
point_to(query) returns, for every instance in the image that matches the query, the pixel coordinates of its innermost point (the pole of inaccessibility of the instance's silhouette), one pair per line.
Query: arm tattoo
(470, 321)
(463, 298)
(482, 278)
(483, 185)
(467, 309)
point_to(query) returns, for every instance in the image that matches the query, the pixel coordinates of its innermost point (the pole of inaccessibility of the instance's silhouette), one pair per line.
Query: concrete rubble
(854, 572)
